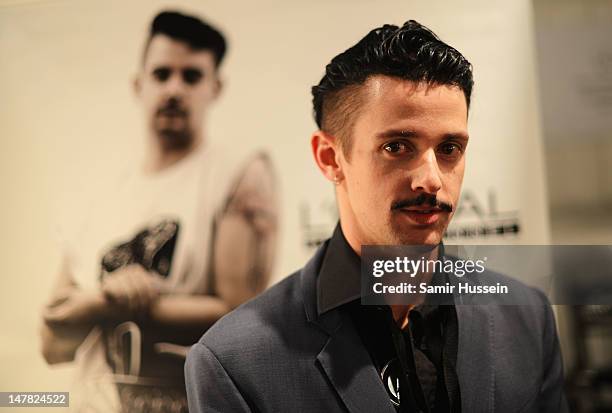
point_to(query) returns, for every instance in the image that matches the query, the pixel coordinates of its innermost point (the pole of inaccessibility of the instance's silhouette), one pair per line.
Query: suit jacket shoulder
(265, 330)
(264, 354)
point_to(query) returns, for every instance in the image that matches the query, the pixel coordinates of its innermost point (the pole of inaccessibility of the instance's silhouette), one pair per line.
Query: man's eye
(161, 75)
(395, 147)
(192, 76)
(450, 149)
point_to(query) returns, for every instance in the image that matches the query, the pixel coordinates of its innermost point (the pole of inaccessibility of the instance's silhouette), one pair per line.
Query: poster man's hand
(72, 306)
(132, 288)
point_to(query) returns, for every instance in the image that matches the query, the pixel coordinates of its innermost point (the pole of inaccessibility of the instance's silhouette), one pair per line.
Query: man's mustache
(173, 108)
(420, 200)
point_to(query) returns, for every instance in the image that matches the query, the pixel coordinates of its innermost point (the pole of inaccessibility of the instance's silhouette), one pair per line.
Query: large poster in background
(71, 117)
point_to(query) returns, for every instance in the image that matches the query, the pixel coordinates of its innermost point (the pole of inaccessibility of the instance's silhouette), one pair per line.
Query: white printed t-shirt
(172, 210)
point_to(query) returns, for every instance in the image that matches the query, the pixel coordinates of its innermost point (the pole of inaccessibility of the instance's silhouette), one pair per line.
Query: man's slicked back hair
(198, 34)
(411, 52)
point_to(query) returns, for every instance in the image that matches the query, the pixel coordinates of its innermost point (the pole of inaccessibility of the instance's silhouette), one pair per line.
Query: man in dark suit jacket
(392, 116)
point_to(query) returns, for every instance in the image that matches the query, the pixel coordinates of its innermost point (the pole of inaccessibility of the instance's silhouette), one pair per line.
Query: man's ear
(327, 153)
(137, 84)
(218, 86)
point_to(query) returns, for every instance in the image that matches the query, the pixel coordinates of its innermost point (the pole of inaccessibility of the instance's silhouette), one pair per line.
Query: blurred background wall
(574, 54)
(537, 163)
(575, 71)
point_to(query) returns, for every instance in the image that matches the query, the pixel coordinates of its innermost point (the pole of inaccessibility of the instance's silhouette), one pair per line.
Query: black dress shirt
(420, 360)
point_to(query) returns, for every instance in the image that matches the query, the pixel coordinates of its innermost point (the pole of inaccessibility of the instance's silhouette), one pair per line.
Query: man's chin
(418, 236)
(175, 139)
(406, 232)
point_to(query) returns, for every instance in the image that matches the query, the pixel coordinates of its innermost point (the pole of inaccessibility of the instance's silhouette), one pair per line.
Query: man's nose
(426, 177)
(175, 86)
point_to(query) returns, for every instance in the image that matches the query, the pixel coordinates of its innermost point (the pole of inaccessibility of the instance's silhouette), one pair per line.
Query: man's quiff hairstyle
(198, 34)
(411, 52)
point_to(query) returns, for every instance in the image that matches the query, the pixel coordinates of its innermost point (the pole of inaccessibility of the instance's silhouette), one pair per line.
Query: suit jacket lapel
(475, 358)
(350, 371)
(343, 358)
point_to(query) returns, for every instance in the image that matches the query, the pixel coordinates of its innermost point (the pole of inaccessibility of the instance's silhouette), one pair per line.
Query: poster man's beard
(171, 124)
(175, 138)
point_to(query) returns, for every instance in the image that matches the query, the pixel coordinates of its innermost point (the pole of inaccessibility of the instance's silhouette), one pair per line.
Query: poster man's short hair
(198, 34)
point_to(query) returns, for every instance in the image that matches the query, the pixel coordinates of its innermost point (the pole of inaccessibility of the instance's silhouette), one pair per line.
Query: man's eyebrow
(456, 136)
(404, 133)
(396, 133)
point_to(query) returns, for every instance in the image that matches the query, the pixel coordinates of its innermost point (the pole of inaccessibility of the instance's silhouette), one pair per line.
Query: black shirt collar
(339, 280)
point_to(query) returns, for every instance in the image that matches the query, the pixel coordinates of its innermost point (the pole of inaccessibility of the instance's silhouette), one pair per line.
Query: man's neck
(159, 157)
(402, 311)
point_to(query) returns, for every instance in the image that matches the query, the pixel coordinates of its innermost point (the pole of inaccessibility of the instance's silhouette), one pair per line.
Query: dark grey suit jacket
(276, 354)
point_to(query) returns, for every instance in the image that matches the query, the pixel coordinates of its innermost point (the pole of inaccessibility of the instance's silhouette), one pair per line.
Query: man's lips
(172, 113)
(422, 215)
(422, 209)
